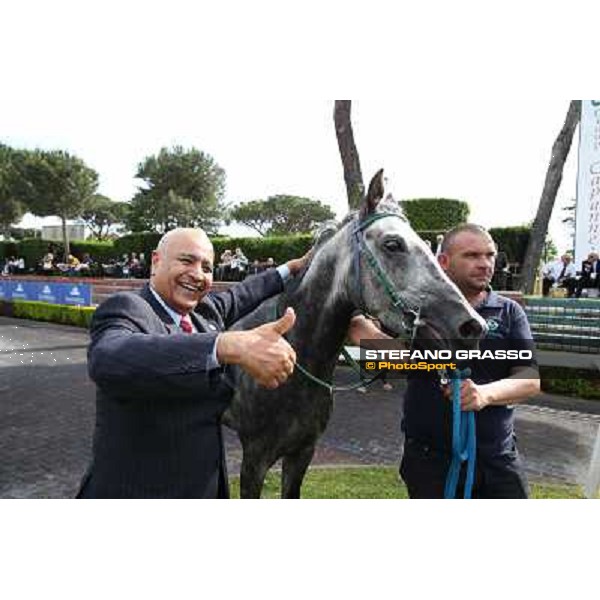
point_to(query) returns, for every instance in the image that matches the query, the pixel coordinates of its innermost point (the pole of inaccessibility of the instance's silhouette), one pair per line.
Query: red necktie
(186, 324)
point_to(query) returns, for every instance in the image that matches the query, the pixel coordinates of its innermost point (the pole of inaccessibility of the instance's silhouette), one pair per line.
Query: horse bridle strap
(362, 249)
(397, 300)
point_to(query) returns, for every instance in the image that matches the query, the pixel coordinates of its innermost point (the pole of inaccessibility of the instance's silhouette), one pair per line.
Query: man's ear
(444, 261)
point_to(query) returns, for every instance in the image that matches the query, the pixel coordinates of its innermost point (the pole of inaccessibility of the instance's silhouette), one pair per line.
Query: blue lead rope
(464, 443)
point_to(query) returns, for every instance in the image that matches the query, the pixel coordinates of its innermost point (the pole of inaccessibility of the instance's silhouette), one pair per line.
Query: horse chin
(428, 337)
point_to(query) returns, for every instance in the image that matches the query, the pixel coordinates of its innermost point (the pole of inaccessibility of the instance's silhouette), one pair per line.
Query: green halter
(361, 249)
(398, 302)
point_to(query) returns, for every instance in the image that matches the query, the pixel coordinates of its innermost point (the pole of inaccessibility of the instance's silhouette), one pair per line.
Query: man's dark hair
(455, 231)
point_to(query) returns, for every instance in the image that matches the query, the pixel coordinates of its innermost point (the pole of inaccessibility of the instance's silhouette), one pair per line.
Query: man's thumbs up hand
(262, 352)
(285, 323)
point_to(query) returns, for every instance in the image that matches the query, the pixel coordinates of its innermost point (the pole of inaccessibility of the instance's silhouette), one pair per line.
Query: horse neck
(323, 308)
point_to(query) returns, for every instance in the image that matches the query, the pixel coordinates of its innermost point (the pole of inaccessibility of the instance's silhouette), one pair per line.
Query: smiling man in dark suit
(159, 360)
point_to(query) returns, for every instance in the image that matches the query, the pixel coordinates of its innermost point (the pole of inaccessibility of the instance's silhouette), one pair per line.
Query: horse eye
(394, 246)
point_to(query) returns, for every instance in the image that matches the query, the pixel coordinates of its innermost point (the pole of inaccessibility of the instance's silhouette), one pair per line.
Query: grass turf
(375, 483)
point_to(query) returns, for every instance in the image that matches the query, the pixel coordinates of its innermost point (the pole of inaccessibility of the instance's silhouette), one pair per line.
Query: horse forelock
(391, 206)
(324, 232)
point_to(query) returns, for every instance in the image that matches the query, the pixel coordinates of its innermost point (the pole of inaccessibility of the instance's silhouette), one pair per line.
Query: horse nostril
(471, 329)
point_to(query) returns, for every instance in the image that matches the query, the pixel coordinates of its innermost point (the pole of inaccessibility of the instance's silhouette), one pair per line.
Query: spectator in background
(255, 268)
(13, 265)
(559, 273)
(144, 268)
(270, 264)
(85, 264)
(71, 267)
(224, 267)
(125, 272)
(501, 272)
(590, 274)
(48, 262)
(134, 266)
(239, 265)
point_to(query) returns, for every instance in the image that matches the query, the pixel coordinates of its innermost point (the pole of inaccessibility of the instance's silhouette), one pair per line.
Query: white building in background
(54, 233)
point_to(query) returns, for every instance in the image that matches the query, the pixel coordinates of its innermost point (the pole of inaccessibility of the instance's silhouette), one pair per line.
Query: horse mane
(324, 232)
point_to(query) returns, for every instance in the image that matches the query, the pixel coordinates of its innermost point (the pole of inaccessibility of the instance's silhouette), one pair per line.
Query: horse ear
(374, 195)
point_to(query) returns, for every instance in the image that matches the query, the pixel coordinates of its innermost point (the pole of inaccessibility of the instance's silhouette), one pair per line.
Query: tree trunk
(65, 239)
(355, 187)
(560, 151)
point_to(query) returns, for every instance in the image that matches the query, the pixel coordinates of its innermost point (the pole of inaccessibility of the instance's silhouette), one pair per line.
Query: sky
(114, 91)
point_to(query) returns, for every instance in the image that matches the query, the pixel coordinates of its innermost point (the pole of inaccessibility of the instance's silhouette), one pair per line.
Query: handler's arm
(523, 380)
(523, 383)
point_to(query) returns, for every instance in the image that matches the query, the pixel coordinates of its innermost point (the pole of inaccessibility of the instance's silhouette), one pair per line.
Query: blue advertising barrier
(79, 294)
(23, 290)
(49, 292)
(4, 289)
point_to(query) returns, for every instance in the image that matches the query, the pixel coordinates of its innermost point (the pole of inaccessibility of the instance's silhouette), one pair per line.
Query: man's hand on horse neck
(297, 264)
(363, 332)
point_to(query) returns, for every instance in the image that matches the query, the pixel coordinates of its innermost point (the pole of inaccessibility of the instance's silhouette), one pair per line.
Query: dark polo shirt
(428, 415)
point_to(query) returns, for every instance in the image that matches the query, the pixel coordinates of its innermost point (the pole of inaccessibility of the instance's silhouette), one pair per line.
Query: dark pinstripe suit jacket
(158, 406)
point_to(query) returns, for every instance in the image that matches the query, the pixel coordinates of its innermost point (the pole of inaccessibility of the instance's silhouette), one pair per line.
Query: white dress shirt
(554, 269)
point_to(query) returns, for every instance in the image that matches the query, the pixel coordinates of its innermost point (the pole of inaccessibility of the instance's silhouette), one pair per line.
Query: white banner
(587, 217)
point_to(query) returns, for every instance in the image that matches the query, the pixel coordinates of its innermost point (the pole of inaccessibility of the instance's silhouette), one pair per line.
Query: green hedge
(99, 251)
(440, 214)
(144, 242)
(578, 383)
(79, 316)
(8, 249)
(33, 249)
(512, 240)
(280, 248)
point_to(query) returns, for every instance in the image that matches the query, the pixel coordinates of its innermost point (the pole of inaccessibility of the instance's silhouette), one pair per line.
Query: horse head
(398, 280)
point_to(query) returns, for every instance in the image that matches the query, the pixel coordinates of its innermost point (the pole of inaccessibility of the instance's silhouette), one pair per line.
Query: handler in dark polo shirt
(467, 256)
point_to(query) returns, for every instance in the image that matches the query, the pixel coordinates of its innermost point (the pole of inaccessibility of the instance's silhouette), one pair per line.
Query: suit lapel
(200, 323)
(162, 314)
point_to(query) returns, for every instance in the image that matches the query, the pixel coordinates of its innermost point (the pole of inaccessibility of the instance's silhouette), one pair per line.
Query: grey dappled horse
(377, 263)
